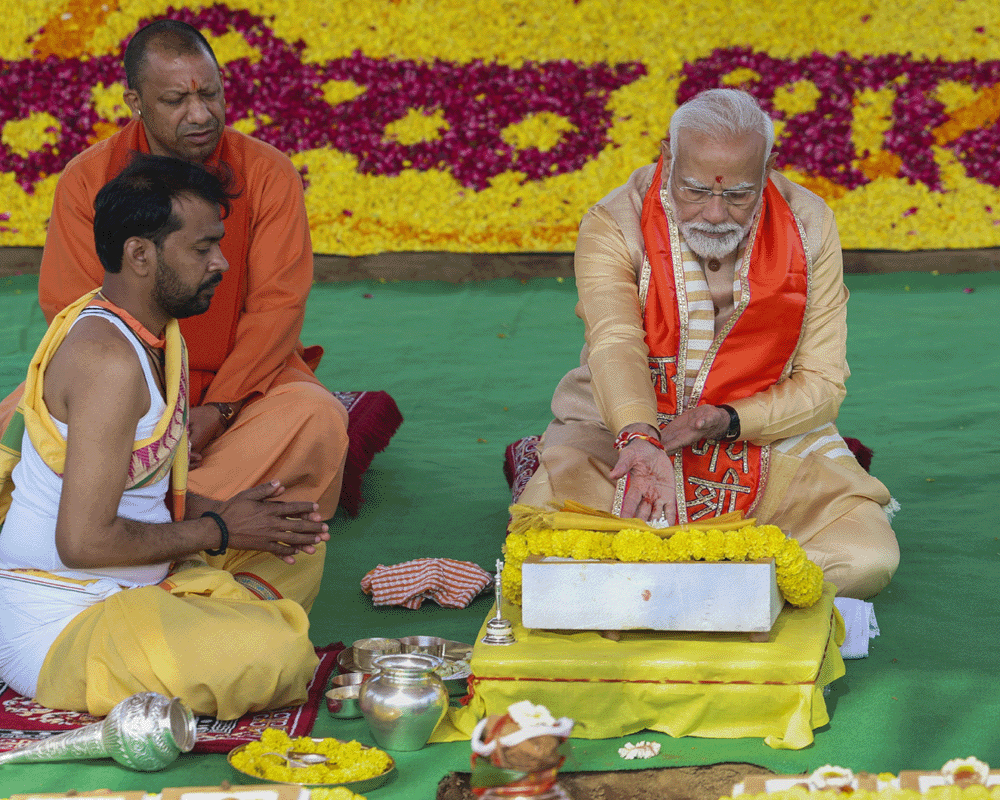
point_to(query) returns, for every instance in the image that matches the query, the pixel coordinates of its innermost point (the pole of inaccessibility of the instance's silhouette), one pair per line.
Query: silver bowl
(426, 645)
(456, 685)
(342, 697)
(364, 650)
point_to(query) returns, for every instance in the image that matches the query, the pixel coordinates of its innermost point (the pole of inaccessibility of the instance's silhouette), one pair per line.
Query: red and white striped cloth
(447, 582)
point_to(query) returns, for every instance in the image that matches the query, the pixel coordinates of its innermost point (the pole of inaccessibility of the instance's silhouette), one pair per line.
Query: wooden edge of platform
(465, 267)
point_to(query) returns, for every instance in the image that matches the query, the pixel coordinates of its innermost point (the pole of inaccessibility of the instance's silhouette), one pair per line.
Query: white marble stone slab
(566, 594)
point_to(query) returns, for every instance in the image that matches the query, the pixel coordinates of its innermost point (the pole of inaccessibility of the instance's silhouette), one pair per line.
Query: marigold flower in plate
(348, 763)
(335, 793)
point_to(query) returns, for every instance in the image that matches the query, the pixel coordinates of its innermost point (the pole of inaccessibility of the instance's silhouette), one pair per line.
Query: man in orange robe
(257, 410)
(711, 288)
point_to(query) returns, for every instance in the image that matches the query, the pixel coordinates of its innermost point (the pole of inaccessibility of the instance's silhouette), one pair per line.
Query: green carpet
(472, 368)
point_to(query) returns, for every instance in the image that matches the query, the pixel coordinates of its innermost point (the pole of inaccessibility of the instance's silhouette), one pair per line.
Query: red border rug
(373, 418)
(519, 464)
(23, 720)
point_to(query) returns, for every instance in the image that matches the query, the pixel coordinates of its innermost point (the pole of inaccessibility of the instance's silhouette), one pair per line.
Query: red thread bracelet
(626, 437)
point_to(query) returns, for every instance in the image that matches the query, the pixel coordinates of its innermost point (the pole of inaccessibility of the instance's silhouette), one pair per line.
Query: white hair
(722, 113)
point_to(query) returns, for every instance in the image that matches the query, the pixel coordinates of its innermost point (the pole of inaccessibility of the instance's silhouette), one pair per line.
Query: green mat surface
(473, 366)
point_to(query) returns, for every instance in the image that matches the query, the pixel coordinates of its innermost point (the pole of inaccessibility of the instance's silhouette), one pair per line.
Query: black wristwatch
(227, 412)
(733, 431)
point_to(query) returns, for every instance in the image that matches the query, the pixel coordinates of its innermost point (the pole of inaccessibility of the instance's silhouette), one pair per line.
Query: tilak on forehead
(718, 179)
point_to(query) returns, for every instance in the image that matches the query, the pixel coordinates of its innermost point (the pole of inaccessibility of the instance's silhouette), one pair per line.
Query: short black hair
(139, 202)
(169, 34)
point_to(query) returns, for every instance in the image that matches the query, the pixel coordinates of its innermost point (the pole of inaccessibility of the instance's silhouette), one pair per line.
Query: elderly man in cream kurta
(712, 293)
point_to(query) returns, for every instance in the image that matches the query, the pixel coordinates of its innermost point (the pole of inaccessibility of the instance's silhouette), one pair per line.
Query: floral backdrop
(492, 125)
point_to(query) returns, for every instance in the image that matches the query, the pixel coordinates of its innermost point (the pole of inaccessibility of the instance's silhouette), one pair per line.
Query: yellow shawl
(151, 458)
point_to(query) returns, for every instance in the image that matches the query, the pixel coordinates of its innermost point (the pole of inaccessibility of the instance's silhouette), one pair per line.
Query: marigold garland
(799, 579)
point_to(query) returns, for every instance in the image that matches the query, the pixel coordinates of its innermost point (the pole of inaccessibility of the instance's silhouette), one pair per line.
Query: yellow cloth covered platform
(715, 685)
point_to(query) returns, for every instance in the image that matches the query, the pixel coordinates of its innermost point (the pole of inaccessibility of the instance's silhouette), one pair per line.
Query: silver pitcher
(145, 732)
(404, 701)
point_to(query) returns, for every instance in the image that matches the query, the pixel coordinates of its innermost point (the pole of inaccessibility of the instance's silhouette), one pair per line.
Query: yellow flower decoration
(592, 545)
(347, 761)
(757, 545)
(740, 77)
(516, 547)
(335, 793)
(796, 98)
(871, 119)
(774, 537)
(697, 544)
(634, 545)
(790, 555)
(30, 211)
(430, 209)
(955, 95)
(417, 126)
(540, 542)
(799, 579)
(737, 546)
(109, 102)
(715, 545)
(337, 92)
(542, 130)
(231, 46)
(26, 135)
(250, 123)
(510, 583)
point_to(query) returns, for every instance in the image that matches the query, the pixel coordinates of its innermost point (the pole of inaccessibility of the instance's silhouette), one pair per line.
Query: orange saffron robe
(242, 345)
(749, 355)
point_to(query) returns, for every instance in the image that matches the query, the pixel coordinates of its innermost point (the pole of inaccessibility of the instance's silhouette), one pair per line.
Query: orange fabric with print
(759, 342)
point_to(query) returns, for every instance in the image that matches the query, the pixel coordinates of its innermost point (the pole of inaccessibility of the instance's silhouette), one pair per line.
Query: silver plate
(358, 787)
(453, 651)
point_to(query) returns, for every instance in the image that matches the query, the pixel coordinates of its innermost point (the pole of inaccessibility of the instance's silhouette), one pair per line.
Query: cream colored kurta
(814, 490)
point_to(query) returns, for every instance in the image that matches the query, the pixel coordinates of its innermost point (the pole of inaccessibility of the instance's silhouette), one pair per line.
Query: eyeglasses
(734, 197)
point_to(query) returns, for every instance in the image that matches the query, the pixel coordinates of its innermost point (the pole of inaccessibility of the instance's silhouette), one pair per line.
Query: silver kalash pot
(404, 700)
(145, 732)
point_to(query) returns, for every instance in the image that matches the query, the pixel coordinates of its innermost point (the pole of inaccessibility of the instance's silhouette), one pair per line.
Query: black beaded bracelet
(225, 534)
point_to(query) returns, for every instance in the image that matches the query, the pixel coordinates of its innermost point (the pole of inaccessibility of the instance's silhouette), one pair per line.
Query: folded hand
(258, 522)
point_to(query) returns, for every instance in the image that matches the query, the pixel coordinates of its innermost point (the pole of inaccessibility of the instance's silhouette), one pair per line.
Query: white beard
(694, 234)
